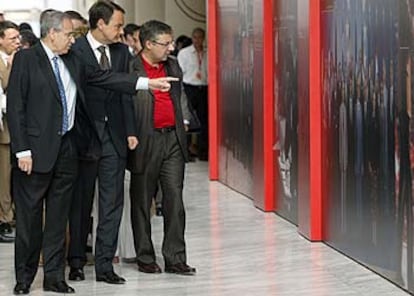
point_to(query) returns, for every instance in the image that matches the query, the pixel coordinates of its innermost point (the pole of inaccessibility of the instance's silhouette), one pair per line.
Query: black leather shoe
(76, 274)
(21, 289)
(5, 228)
(180, 268)
(58, 287)
(149, 268)
(110, 277)
(4, 238)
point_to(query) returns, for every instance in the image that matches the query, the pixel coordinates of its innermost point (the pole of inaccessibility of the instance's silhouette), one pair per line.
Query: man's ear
(148, 44)
(100, 24)
(52, 33)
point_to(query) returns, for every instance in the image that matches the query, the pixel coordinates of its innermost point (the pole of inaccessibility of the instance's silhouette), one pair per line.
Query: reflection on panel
(367, 84)
(236, 54)
(303, 118)
(286, 100)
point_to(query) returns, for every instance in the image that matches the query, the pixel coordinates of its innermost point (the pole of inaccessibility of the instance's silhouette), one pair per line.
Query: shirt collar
(93, 42)
(194, 50)
(48, 51)
(148, 66)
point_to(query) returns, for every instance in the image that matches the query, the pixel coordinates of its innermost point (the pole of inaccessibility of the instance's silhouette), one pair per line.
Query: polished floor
(237, 250)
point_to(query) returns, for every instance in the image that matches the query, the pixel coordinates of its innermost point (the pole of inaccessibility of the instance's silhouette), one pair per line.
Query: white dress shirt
(193, 65)
(142, 82)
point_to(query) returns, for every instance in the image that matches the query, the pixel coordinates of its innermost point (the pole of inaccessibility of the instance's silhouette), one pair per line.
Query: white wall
(129, 7)
(146, 10)
(168, 12)
(182, 23)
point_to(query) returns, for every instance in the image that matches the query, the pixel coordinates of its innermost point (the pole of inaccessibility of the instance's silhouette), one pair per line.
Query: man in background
(193, 62)
(80, 24)
(131, 38)
(9, 44)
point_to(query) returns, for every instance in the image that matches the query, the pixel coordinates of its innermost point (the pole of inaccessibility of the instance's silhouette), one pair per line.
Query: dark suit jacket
(34, 105)
(115, 106)
(144, 109)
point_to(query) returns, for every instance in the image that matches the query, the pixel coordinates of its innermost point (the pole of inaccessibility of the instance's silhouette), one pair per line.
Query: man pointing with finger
(161, 155)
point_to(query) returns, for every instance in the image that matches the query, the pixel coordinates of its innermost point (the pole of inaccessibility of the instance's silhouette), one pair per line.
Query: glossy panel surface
(236, 92)
(292, 107)
(368, 136)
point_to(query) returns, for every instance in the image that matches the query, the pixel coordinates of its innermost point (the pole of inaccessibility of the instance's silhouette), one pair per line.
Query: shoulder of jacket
(80, 42)
(119, 46)
(174, 58)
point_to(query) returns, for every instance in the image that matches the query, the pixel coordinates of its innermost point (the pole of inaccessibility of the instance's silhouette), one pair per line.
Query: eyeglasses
(166, 44)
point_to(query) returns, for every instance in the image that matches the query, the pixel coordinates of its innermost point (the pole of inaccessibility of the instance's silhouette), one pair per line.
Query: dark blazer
(34, 106)
(114, 106)
(144, 109)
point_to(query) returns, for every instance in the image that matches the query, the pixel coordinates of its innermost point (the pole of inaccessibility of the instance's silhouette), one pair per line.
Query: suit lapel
(169, 70)
(115, 58)
(46, 68)
(85, 50)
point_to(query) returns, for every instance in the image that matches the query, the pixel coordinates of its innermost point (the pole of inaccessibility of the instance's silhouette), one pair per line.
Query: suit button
(106, 118)
(59, 133)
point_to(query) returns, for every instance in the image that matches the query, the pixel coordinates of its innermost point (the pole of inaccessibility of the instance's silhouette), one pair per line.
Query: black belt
(195, 86)
(164, 130)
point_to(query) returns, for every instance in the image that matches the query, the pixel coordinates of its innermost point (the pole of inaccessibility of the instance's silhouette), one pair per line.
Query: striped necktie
(65, 119)
(104, 61)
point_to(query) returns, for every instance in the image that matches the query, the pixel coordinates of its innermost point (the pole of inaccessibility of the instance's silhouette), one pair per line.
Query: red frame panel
(213, 86)
(315, 124)
(268, 107)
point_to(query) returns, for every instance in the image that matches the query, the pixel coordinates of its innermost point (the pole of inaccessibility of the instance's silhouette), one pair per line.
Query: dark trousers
(166, 165)
(198, 98)
(51, 191)
(110, 171)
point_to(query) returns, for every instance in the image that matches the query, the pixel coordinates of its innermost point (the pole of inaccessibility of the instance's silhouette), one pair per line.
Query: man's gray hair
(51, 19)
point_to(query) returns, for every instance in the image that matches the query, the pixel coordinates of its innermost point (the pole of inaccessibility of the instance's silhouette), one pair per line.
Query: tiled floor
(237, 249)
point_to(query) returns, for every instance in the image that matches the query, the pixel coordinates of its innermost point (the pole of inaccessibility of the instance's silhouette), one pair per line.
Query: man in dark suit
(41, 121)
(48, 124)
(160, 156)
(113, 119)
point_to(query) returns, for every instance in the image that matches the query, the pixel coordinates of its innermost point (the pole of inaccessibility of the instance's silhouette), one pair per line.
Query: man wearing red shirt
(161, 154)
